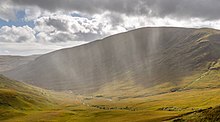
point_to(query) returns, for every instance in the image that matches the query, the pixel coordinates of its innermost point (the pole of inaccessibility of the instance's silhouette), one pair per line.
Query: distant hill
(10, 62)
(146, 56)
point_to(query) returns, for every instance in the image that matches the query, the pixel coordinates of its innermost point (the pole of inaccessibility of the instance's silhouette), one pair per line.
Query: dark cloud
(115, 18)
(62, 37)
(88, 6)
(87, 36)
(207, 9)
(58, 24)
(22, 39)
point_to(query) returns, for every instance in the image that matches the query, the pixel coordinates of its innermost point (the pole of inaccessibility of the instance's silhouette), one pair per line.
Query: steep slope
(203, 115)
(210, 115)
(11, 62)
(146, 56)
(17, 96)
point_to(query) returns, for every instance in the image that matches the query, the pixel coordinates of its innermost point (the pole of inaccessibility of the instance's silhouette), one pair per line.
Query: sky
(30, 27)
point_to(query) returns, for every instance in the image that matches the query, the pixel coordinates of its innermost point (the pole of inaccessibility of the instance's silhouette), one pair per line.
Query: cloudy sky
(40, 26)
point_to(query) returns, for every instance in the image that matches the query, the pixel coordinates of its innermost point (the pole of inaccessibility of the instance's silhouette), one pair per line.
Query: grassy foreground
(195, 98)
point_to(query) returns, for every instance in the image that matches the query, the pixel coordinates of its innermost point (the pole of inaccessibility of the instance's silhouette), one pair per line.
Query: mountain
(10, 62)
(146, 56)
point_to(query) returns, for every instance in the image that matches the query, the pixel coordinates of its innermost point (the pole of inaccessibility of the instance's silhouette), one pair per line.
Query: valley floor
(195, 99)
(174, 106)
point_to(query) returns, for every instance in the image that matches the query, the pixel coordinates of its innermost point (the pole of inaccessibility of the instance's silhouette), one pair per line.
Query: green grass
(117, 101)
(131, 109)
(19, 99)
(204, 115)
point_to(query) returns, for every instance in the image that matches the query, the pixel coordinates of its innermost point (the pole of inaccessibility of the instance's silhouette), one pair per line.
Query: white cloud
(17, 34)
(34, 48)
(24, 41)
(7, 11)
(74, 28)
(54, 31)
(32, 13)
(67, 23)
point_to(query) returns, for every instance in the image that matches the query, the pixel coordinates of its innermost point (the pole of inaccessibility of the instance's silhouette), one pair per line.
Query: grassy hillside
(207, 78)
(22, 102)
(147, 56)
(210, 114)
(16, 96)
(18, 99)
(203, 115)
